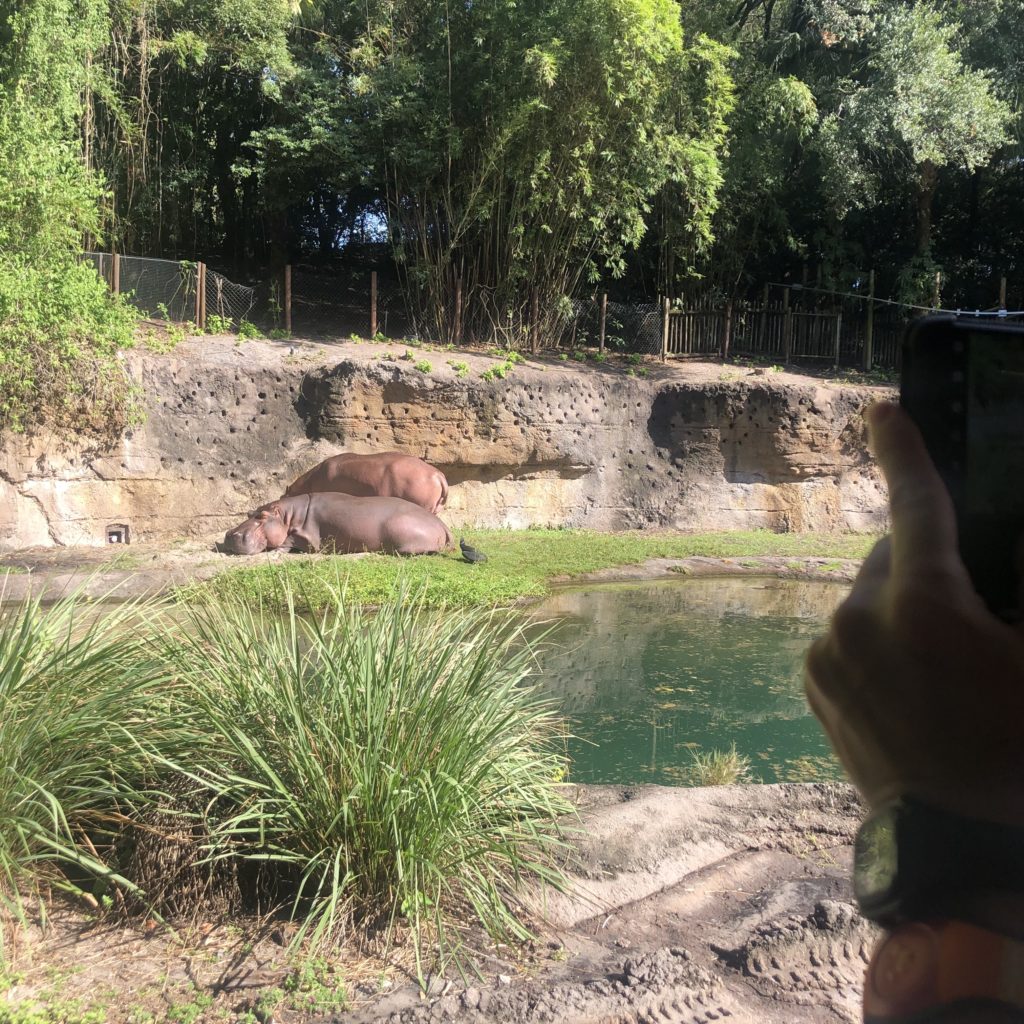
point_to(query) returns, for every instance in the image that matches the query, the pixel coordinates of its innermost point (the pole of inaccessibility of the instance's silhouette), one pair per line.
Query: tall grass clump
(719, 767)
(77, 714)
(387, 768)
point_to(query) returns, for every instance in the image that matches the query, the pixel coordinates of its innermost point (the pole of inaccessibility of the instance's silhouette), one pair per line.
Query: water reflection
(648, 673)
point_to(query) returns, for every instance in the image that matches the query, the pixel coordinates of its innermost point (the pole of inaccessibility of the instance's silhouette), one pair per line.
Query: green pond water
(649, 673)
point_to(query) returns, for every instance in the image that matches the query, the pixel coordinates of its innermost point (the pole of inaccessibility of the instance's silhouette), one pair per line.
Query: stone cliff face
(229, 426)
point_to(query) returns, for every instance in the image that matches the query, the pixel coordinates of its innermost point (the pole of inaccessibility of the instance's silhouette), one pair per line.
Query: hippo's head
(264, 530)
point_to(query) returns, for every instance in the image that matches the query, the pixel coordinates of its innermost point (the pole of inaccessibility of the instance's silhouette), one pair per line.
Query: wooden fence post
(373, 303)
(787, 327)
(115, 274)
(839, 334)
(288, 298)
(938, 286)
(457, 326)
(198, 317)
(1002, 292)
(664, 329)
(727, 334)
(869, 326)
(201, 324)
(604, 320)
(761, 342)
(535, 321)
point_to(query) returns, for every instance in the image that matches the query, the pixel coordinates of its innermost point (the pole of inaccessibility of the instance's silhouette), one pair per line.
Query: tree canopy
(530, 150)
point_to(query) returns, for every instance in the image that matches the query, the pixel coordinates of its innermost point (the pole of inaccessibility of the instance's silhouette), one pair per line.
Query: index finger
(924, 535)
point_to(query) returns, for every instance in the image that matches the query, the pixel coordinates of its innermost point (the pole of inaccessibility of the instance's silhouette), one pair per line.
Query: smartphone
(962, 382)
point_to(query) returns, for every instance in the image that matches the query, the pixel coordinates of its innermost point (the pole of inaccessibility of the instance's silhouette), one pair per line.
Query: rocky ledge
(693, 446)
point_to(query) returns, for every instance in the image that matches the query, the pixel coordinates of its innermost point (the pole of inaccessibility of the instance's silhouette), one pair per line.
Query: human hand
(919, 687)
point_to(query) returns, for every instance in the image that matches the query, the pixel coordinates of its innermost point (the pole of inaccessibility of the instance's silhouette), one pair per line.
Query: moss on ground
(521, 564)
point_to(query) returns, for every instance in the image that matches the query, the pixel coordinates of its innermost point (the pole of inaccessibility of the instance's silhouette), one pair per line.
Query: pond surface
(647, 674)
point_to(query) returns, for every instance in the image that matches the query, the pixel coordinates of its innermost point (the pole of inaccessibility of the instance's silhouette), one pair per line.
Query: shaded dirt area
(687, 906)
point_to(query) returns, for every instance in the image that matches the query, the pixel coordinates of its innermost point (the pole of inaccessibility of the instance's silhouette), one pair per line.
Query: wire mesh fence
(177, 291)
(628, 327)
(226, 299)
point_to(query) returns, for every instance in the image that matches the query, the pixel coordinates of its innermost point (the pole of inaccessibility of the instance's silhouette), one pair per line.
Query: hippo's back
(383, 474)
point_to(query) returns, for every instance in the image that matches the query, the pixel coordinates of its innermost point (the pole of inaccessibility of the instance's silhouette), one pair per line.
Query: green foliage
(492, 134)
(392, 763)
(80, 725)
(718, 767)
(921, 99)
(190, 1012)
(423, 366)
(314, 988)
(460, 367)
(59, 330)
(249, 331)
(851, 119)
(219, 324)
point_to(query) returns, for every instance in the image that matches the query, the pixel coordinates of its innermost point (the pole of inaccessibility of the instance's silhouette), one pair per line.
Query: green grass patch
(521, 564)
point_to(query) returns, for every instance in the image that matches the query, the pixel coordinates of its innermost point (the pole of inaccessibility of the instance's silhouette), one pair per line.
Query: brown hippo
(308, 522)
(386, 475)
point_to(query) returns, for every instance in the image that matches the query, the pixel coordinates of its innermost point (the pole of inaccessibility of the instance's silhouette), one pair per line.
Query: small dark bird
(471, 554)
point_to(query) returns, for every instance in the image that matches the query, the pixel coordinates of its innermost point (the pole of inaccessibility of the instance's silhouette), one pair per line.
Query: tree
(851, 115)
(514, 146)
(59, 328)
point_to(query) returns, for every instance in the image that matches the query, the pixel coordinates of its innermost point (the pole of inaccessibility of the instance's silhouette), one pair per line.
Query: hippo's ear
(271, 511)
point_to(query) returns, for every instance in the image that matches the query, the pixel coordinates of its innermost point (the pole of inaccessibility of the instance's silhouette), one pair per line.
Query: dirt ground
(687, 906)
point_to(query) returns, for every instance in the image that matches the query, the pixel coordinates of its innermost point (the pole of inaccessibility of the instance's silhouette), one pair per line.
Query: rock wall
(228, 426)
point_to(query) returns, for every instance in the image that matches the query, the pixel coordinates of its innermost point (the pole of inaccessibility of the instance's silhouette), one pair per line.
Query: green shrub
(219, 324)
(423, 366)
(60, 332)
(391, 764)
(248, 331)
(460, 367)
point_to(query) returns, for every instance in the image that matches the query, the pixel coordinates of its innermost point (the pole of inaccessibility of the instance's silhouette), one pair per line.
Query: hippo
(386, 475)
(308, 522)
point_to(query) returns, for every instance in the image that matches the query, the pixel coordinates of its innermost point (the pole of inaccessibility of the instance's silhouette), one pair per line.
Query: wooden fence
(783, 330)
